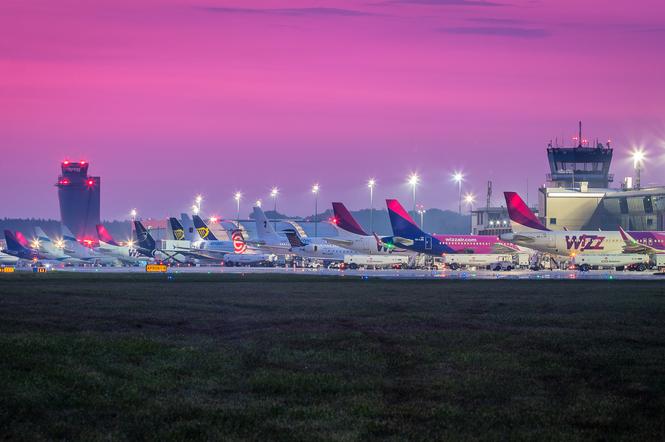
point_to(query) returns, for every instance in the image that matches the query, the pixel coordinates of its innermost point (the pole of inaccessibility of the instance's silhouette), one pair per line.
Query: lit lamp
(638, 156)
(315, 191)
(413, 181)
(370, 184)
(237, 197)
(469, 199)
(273, 193)
(458, 177)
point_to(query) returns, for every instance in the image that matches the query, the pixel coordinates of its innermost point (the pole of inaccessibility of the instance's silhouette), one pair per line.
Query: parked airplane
(147, 246)
(75, 249)
(304, 248)
(127, 253)
(208, 244)
(528, 231)
(352, 236)
(50, 250)
(409, 236)
(19, 247)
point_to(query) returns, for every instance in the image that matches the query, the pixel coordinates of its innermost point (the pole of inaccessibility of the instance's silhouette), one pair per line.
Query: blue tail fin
(143, 237)
(176, 229)
(203, 229)
(402, 224)
(12, 243)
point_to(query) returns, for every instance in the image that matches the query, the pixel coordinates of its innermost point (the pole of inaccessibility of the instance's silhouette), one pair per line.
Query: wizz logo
(585, 242)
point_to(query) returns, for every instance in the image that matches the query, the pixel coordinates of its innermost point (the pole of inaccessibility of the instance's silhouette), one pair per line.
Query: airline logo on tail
(521, 217)
(239, 244)
(177, 229)
(203, 232)
(202, 228)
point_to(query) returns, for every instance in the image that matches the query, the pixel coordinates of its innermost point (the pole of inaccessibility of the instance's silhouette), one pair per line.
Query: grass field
(92, 357)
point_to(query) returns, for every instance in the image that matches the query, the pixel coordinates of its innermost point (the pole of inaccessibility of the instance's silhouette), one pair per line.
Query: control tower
(79, 194)
(582, 163)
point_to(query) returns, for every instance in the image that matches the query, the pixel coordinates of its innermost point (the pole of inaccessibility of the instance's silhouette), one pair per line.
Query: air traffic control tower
(79, 196)
(583, 163)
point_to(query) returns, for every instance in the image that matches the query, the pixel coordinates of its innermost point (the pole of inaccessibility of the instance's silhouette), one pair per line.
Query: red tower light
(82, 163)
(91, 182)
(64, 181)
(66, 162)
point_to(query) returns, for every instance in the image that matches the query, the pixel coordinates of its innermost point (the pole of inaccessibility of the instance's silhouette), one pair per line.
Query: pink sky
(168, 99)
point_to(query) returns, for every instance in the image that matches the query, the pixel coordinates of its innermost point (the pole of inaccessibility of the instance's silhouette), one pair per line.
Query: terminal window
(553, 221)
(648, 205)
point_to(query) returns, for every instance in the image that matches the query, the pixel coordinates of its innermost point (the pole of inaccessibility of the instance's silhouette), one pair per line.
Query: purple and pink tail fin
(105, 236)
(521, 217)
(345, 221)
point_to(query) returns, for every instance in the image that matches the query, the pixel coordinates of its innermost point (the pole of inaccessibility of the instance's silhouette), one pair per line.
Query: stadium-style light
(371, 183)
(413, 181)
(273, 193)
(421, 212)
(638, 155)
(458, 177)
(258, 203)
(238, 196)
(315, 191)
(469, 199)
(133, 213)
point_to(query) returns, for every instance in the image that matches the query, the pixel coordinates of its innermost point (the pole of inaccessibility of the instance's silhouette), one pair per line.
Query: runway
(390, 273)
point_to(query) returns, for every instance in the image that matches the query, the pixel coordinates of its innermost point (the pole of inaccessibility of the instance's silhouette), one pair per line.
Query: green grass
(120, 357)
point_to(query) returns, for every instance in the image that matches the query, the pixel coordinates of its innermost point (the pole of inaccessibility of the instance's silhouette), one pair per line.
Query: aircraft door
(428, 243)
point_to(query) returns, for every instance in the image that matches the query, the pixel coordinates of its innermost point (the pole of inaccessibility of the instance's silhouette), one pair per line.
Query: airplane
(18, 247)
(528, 231)
(305, 248)
(147, 246)
(127, 254)
(51, 250)
(409, 236)
(352, 236)
(75, 249)
(208, 245)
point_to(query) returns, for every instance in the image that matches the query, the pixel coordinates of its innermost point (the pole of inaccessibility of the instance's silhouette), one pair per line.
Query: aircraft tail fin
(177, 230)
(104, 235)
(345, 221)
(522, 218)
(402, 224)
(263, 227)
(22, 240)
(13, 243)
(203, 230)
(143, 237)
(239, 244)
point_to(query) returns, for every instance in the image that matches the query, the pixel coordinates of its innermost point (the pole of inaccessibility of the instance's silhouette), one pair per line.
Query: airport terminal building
(578, 195)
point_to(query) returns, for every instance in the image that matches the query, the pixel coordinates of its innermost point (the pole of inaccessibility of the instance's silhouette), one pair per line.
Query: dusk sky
(168, 99)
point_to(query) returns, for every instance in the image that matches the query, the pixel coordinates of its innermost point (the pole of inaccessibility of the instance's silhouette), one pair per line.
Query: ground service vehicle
(478, 260)
(618, 261)
(375, 261)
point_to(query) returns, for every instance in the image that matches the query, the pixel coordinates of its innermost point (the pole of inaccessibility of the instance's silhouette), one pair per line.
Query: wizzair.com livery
(352, 236)
(407, 235)
(529, 232)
